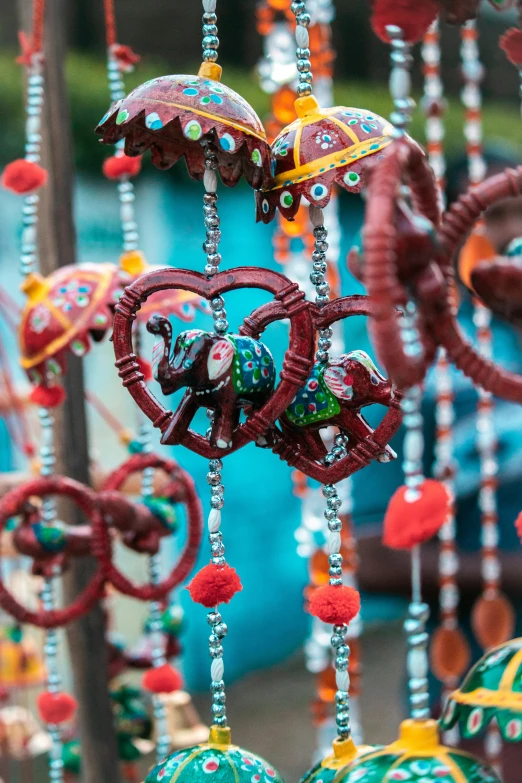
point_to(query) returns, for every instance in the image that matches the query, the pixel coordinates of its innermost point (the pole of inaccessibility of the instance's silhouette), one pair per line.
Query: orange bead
(319, 567)
(326, 685)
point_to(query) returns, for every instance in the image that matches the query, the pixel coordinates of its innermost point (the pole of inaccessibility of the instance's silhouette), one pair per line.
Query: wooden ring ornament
(457, 223)
(12, 504)
(385, 277)
(297, 361)
(359, 454)
(184, 492)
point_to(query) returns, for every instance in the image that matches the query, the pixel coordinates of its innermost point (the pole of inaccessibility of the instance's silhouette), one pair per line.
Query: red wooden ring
(403, 159)
(190, 499)
(363, 453)
(456, 225)
(12, 504)
(296, 365)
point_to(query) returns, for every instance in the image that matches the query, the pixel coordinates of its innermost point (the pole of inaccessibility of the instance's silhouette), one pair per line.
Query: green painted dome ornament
(215, 761)
(492, 689)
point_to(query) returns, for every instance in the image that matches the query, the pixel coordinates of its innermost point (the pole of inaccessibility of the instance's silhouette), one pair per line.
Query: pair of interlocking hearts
(140, 526)
(234, 372)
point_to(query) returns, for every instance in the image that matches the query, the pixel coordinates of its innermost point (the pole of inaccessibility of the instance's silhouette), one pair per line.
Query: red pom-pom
(164, 679)
(120, 166)
(511, 44)
(409, 522)
(215, 585)
(145, 368)
(56, 708)
(125, 56)
(413, 17)
(23, 176)
(335, 604)
(47, 396)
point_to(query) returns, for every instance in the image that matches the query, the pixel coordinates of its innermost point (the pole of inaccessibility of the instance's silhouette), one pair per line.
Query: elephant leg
(225, 417)
(180, 422)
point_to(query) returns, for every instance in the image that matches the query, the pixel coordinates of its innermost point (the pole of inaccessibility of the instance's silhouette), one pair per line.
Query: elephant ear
(339, 382)
(220, 358)
(363, 358)
(158, 350)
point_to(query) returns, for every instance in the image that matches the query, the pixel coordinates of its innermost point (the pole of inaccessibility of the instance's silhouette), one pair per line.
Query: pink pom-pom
(120, 166)
(215, 585)
(56, 708)
(47, 396)
(414, 17)
(164, 679)
(23, 176)
(414, 517)
(335, 604)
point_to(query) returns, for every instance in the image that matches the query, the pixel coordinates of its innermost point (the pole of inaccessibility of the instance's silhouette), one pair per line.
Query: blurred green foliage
(88, 98)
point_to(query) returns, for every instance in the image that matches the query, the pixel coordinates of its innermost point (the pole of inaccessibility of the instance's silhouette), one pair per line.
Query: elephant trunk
(162, 328)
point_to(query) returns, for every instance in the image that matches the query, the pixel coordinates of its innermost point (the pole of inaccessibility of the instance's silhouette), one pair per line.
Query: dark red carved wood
(13, 504)
(395, 256)
(289, 444)
(296, 365)
(181, 489)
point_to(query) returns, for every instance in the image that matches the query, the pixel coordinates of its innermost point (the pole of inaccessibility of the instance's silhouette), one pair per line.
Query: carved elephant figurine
(222, 373)
(333, 395)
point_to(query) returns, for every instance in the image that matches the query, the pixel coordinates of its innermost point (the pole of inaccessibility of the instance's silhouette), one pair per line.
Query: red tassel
(511, 44)
(411, 522)
(215, 585)
(56, 708)
(23, 176)
(335, 604)
(47, 396)
(145, 368)
(125, 56)
(120, 166)
(164, 679)
(413, 17)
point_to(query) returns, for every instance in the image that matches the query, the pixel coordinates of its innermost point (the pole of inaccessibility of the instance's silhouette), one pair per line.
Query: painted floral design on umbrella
(176, 116)
(492, 689)
(213, 762)
(320, 148)
(65, 312)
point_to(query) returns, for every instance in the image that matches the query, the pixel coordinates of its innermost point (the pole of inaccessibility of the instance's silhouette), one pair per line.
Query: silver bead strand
(304, 68)
(125, 186)
(400, 80)
(33, 140)
(318, 278)
(211, 244)
(210, 43)
(218, 629)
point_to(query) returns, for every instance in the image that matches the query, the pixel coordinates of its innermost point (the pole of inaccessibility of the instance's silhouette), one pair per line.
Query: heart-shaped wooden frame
(297, 363)
(364, 452)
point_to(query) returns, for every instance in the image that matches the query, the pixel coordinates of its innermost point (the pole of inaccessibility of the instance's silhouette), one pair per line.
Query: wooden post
(86, 637)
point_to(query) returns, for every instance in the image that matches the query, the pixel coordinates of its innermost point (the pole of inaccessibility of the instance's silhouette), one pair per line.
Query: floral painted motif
(441, 767)
(314, 402)
(253, 367)
(213, 764)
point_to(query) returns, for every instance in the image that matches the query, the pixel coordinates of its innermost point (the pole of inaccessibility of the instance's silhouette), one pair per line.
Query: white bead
(417, 664)
(449, 597)
(473, 132)
(447, 531)
(487, 501)
(217, 669)
(316, 215)
(29, 235)
(413, 446)
(434, 129)
(342, 680)
(302, 37)
(214, 520)
(127, 212)
(33, 125)
(210, 181)
(209, 6)
(400, 83)
(448, 563)
(489, 535)
(334, 543)
(490, 569)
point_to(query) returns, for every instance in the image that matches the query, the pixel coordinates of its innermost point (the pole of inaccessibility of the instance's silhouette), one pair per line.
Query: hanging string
(110, 22)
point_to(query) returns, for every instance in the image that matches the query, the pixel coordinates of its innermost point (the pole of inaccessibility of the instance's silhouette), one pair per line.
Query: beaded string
(304, 66)
(473, 72)
(29, 263)
(218, 629)
(434, 107)
(418, 611)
